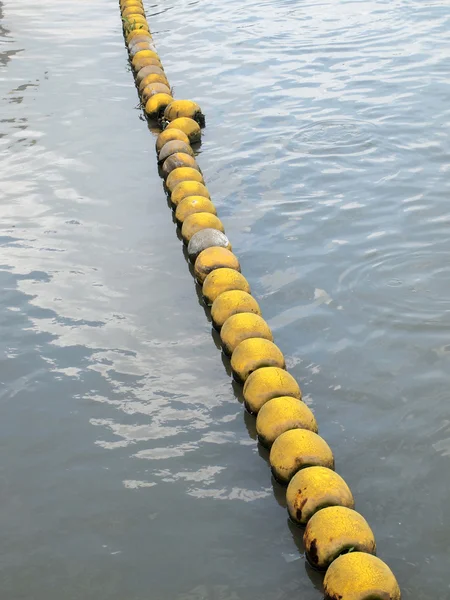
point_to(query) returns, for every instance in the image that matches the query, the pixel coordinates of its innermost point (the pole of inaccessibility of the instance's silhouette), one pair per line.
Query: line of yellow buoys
(336, 538)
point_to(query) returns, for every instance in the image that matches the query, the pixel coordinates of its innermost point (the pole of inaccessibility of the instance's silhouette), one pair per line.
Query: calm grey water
(129, 470)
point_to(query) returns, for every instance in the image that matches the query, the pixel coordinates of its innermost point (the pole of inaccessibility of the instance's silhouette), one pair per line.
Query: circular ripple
(328, 137)
(402, 286)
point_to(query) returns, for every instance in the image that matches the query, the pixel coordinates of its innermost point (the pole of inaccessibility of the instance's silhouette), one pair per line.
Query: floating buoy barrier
(212, 258)
(231, 303)
(241, 327)
(152, 89)
(360, 576)
(192, 205)
(314, 488)
(183, 174)
(175, 147)
(188, 126)
(267, 383)
(333, 531)
(149, 70)
(337, 539)
(221, 280)
(282, 414)
(296, 449)
(188, 188)
(198, 221)
(252, 354)
(205, 238)
(178, 160)
(169, 135)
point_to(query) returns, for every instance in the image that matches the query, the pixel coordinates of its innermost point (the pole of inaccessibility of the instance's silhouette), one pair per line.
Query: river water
(129, 469)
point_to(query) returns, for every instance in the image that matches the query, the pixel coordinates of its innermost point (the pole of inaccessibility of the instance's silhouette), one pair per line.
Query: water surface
(129, 467)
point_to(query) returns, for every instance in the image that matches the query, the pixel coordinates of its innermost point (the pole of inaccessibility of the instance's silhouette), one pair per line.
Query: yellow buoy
(154, 88)
(146, 61)
(197, 222)
(137, 31)
(134, 19)
(296, 449)
(206, 238)
(223, 280)
(184, 108)
(132, 25)
(314, 488)
(140, 45)
(144, 54)
(153, 78)
(240, 327)
(143, 38)
(190, 127)
(188, 188)
(133, 10)
(169, 135)
(177, 160)
(192, 205)
(156, 105)
(183, 174)
(135, 6)
(213, 258)
(149, 70)
(252, 354)
(360, 576)
(172, 147)
(333, 531)
(136, 60)
(125, 3)
(231, 303)
(268, 383)
(282, 414)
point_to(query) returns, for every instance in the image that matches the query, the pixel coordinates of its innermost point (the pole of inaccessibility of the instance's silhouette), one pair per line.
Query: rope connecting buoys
(336, 538)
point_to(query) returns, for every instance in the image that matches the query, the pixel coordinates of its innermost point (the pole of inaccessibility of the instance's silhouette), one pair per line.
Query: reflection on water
(130, 469)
